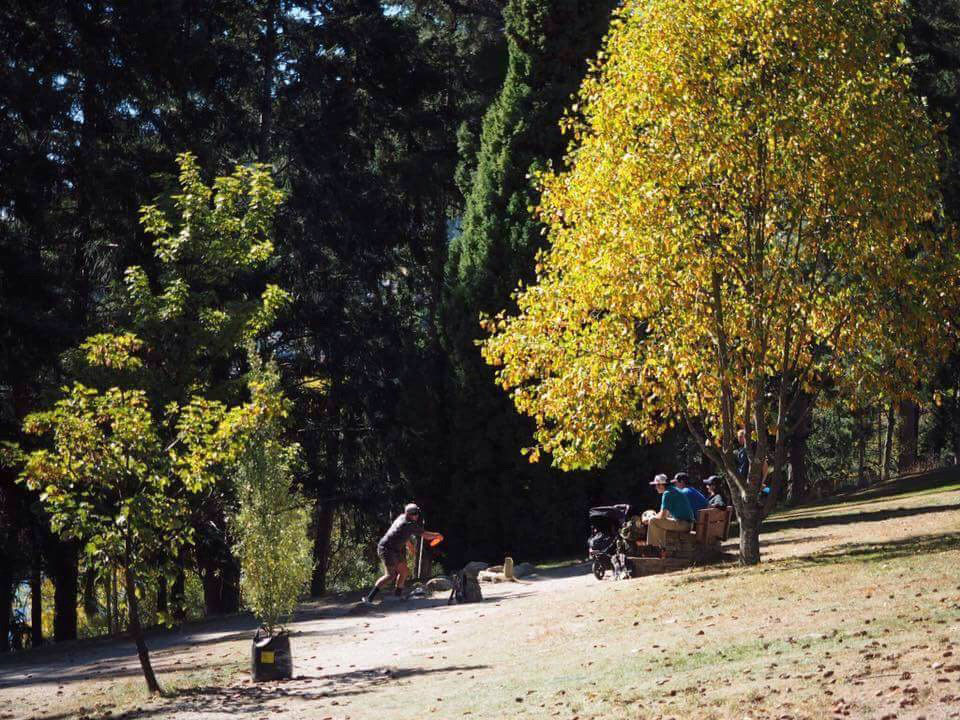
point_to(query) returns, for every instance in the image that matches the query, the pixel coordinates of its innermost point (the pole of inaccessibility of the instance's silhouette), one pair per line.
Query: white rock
(439, 584)
(490, 576)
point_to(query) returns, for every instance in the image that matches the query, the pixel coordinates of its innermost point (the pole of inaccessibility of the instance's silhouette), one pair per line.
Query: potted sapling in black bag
(269, 527)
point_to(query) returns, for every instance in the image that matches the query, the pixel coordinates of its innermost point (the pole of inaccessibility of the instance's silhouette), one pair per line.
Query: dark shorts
(389, 558)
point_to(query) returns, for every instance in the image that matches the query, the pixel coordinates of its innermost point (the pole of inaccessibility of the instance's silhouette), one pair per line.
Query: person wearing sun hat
(715, 499)
(697, 501)
(675, 512)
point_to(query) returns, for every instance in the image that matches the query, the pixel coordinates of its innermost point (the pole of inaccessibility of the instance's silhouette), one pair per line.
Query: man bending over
(390, 550)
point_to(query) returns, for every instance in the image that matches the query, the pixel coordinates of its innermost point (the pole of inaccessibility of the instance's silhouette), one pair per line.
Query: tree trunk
(909, 422)
(178, 592)
(113, 607)
(162, 594)
(6, 605)
(888, 445)
(221, 587)
(323, 529)
(90, 592)
(219, 571)
(748, 517)
(65, 571)
(331, 477)
(109, 594)
(136, 631)
(861, 448)
(268, 59)
(799, 483)
(36, 603)
(956, 445)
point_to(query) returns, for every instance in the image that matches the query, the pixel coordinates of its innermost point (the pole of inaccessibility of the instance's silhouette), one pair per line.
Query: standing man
(390, 549)
(697, 501)
(675, 513)
(742, 455)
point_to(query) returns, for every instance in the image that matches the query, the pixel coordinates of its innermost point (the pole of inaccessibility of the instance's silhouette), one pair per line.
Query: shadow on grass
(848, 553)
(772, 525)
(793, 540)
(880, 551)
(904, 485)
(101, 671)
(257, 700)
(119, 660)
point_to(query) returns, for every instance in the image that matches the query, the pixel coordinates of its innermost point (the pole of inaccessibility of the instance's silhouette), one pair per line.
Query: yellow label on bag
(266, 657)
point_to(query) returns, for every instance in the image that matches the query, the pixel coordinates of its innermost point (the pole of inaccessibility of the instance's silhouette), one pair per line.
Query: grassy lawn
(854, 612)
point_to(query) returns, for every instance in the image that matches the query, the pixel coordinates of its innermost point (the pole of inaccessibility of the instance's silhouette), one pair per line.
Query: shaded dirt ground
(855, 613)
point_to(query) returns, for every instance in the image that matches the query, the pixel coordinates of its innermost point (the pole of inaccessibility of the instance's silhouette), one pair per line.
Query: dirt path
(701, 643)
(338, 654)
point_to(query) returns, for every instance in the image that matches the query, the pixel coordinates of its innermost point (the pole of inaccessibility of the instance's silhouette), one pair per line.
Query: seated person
(715, 499)
(675, 513)
(697, 501)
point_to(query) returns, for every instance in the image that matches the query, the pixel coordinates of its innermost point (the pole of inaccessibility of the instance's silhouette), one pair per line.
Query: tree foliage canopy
(127, 468)
(745, 216)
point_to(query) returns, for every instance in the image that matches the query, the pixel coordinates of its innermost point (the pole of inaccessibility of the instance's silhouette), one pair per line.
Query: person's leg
(656, 531)
(403, 571)
(658, 527)
(389, 573)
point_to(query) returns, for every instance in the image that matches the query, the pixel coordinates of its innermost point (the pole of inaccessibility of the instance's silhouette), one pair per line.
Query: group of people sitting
(679, 504)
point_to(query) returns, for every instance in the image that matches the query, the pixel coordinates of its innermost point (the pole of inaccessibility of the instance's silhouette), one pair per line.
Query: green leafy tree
(202, 297)
(129, 464)
(106, 479)
(271, 522)
(745, 219)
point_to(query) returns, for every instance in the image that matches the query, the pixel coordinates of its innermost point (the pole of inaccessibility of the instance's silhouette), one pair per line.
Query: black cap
(681, 477)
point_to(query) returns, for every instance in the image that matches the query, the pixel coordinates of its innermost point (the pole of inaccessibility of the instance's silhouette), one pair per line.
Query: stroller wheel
(598, 570)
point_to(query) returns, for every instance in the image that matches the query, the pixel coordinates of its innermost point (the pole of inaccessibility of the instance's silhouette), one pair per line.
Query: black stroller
(607, 547)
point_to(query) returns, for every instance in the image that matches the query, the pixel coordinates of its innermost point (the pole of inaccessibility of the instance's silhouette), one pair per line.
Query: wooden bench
(684, 549)
(713, 525)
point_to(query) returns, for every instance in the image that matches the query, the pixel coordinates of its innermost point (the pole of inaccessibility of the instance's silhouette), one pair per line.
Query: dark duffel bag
(466, 589)
(270, 657)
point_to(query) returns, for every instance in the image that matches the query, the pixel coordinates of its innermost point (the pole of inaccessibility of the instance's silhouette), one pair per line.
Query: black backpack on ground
(466, 589)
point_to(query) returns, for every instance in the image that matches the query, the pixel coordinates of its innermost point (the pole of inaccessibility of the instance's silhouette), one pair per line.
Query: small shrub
(271, 521)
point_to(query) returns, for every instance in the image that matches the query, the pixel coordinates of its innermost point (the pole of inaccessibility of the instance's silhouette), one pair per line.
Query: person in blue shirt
(697, 500)
(675, 513)
(742, 454)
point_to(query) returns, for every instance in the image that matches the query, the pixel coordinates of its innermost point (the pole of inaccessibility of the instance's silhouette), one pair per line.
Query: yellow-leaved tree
(745, 217)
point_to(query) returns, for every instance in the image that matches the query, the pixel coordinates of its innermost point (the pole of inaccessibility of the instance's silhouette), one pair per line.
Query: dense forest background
(404, 135)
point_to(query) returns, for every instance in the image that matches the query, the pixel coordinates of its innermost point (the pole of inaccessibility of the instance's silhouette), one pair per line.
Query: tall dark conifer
(491, 488)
